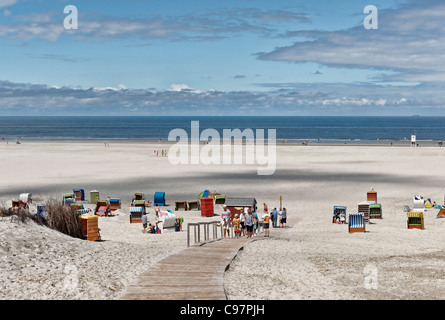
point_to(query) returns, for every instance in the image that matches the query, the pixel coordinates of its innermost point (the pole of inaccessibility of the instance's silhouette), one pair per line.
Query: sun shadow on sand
(188, 186)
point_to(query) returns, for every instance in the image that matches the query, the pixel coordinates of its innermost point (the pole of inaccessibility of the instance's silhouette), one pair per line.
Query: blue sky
(243, 57)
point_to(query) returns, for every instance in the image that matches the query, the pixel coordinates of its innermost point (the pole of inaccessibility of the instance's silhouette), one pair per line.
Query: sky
(204, 57)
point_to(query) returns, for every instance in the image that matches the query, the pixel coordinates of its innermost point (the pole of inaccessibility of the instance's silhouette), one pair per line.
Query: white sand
(313, 259)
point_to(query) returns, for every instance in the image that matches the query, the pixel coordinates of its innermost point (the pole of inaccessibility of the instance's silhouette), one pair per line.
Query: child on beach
(255, 223)
(236, 225)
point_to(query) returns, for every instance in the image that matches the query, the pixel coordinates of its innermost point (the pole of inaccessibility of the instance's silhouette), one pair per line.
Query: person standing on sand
(157, 209)
(236, 225)
(266, 222)
(249, 223)
(255, 222)
(242, 223)
(274, 217)
(225, 221)
(283, 218)
(144, 222)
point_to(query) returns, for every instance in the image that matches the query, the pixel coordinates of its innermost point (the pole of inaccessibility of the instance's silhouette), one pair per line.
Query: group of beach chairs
(367, 210)
(373, 210)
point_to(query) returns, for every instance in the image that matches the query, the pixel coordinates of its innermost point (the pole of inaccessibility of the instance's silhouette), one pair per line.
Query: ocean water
(147, 127)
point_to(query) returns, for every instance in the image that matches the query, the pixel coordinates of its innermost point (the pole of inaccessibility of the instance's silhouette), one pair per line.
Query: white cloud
(7, 3)
(410, 40)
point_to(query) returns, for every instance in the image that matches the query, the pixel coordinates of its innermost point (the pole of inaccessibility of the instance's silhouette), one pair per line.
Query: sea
(310, 128)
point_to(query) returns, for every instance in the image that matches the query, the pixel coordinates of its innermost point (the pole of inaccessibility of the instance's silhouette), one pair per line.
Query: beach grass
(61, 218)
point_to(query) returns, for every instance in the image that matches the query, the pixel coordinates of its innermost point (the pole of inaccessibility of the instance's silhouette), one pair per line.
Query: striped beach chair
(356, 222)
(415, 220)
(136, 214)
(83, 211)
(139, 204)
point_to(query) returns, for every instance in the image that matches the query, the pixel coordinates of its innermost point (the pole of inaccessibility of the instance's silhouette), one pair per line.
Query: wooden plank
(196, 273)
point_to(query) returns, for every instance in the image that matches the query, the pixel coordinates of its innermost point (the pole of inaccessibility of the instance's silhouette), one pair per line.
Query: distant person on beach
(265, 207)
(144, 222)
(266, 223)
(242, 223)
(283, 218)
(342, 218)
(249, 223)
(255, 223)
(236, 225)
(225, 221)
(157, 209)
(274, 218)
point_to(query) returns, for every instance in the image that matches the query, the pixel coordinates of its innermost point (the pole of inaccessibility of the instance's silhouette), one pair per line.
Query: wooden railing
(201, 232)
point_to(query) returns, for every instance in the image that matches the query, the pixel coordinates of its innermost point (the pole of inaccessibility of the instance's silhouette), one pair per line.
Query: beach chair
(159, 199)
(207, 209)
(441, 213)
(220, 199)
(363, 207)
(83, 211)
(139, 204)
(180, 206)
(418, 204)
(356, 222)
(375, 211)
(102, 209)
(136, 214)
(138, 196)
(90, 227)
(26, 197)
(41, 211)
(338, 211)
(115, 204)
(415, 220)
(193, 205)
(79, 194)
(78, 206)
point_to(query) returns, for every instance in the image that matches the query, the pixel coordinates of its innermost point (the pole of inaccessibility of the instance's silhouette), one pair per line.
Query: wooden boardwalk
(196, 273)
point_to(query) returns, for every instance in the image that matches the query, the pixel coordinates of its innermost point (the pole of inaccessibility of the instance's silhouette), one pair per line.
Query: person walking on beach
(236, 225)
(225, 221)
(274, 217)
(242, 223)
(144, 222)
(266, 222)
(249, 223)
(255, 222)
(283, 218)
(157, 209)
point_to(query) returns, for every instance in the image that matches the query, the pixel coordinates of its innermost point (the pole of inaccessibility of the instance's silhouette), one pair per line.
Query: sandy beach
(312, 259)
